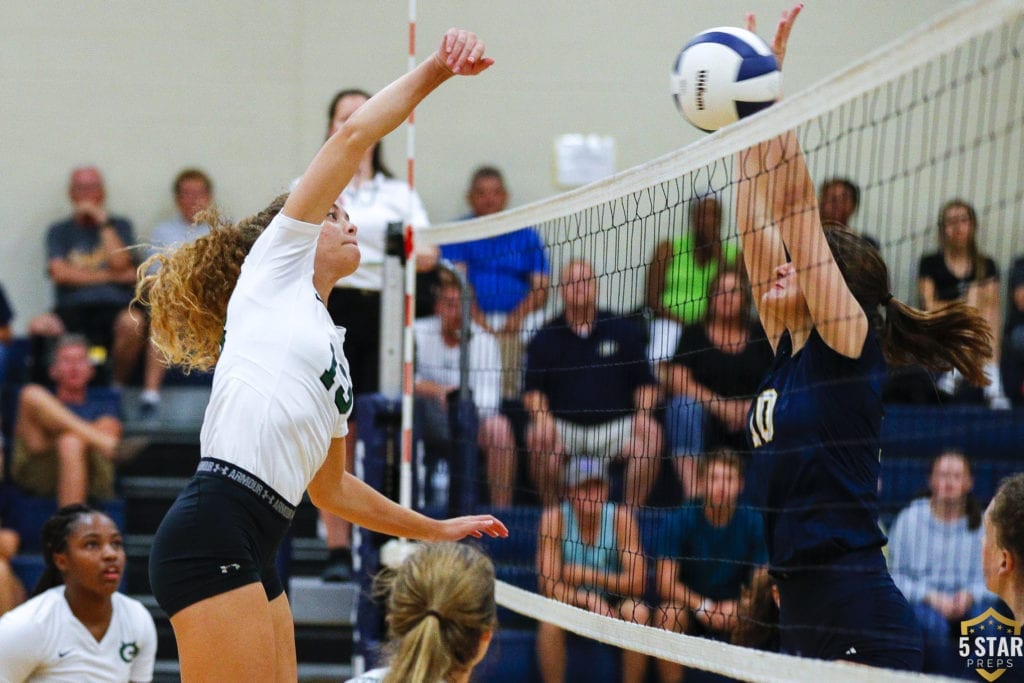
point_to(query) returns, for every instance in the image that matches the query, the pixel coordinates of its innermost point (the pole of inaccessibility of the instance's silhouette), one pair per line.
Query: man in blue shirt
(509, 274)
(590, 391)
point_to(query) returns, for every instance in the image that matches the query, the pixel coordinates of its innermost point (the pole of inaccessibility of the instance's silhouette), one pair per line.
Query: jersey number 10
(762, 419)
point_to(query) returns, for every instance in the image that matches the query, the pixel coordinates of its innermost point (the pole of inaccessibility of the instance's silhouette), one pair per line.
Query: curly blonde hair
(188, 295)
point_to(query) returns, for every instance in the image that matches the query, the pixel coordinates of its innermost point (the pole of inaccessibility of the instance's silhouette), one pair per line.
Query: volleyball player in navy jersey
(822, 293)
(250, 298)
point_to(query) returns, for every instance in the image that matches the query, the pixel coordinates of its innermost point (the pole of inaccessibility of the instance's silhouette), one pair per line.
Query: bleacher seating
(912, 436)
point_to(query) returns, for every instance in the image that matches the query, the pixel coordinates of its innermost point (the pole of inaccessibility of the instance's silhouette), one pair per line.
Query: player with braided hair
(77, 626)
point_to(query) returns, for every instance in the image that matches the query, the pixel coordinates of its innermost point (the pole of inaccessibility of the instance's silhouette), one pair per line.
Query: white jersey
(370, 208)
(42, 641)
(281, 388)
(438, 362)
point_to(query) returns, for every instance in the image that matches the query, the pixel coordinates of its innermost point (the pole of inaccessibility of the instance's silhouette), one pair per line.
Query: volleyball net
(936, 116)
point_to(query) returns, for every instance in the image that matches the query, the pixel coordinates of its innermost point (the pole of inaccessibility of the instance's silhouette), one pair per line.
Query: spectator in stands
(12, 592)
(1002, 545)
(1013, 344)
(717, 368)
(437, 375)
(681, 271)
(67, 442)
(960, 272)
(373, 199)
(509, 273)
(77, 626)
(935, 559)
(838, 200)
(441, 615)
(6, 334)
(93, 273)
(193, 193)
(589, 556)
(708, 553)
(590, 391)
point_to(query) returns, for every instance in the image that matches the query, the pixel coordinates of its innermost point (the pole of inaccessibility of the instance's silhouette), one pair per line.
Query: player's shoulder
(131, 608)
(372, 676)
(32, 615)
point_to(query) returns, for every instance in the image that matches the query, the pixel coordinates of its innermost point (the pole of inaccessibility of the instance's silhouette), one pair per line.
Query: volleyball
(722, 75)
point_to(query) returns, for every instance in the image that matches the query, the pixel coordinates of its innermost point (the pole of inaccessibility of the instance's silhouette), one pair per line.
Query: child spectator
(708, 553)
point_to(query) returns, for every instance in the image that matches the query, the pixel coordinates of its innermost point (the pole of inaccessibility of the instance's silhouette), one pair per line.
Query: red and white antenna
(405, 471)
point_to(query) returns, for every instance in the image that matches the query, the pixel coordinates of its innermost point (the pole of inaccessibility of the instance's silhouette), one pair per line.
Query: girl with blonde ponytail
(441, 615)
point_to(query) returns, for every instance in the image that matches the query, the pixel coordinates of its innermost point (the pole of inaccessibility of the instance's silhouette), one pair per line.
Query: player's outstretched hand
(462, 53)
(782, 30)
(471, 525)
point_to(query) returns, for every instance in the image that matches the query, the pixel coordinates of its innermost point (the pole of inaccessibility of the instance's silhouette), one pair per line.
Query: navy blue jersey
(814, 429)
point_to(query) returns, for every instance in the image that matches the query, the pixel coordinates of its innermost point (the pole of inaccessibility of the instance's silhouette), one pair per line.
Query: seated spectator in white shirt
(437, 375)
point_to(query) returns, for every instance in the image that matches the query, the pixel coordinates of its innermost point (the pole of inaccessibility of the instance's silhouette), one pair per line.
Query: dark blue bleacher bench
(913, 435)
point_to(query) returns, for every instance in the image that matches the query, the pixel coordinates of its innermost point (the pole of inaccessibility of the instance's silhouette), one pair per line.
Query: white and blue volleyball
(722, 75)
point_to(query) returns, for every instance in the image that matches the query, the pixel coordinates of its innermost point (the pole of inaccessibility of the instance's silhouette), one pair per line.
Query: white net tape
(730, 660)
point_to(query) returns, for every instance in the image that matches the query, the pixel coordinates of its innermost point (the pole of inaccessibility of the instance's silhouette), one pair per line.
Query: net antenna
(405, 472)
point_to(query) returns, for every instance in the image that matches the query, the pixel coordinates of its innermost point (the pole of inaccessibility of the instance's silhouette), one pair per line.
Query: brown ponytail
(956, 336)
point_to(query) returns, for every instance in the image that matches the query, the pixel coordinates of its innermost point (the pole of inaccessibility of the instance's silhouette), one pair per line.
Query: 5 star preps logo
(990, 644)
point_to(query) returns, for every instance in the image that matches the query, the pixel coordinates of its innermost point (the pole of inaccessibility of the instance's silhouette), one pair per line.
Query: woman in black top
(717, 368)
(958, 271)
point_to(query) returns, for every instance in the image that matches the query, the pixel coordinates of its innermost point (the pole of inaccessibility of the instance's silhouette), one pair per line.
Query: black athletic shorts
(851, 610)
(221, 533)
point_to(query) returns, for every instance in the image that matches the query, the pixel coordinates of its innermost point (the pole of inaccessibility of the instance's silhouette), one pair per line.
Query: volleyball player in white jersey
(281, 395)
(77, 627)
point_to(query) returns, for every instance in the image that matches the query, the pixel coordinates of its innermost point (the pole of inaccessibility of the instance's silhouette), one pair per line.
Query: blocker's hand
(782, 30)
(476, 526)
(462, 53)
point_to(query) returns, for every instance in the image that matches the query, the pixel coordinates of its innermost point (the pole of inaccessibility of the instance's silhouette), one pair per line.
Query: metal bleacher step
(318, 603)
(152, 487)
(178, 418)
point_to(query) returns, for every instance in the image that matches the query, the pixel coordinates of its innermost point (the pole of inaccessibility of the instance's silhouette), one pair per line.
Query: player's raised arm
(460, 53)
(763, 249)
